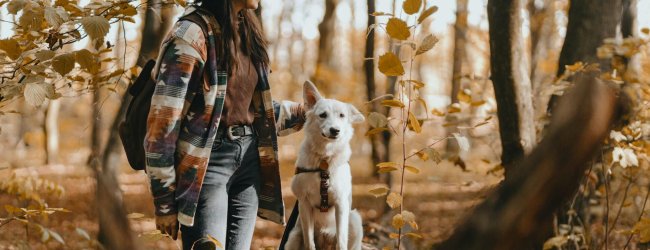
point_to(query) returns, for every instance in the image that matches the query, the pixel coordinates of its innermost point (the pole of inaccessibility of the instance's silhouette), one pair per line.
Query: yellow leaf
(427, 44)
(377, 120)
(381, 14)
(376, 131)
(393, 103)
(128, 10)
(36, 92)
(412, 169)
(11, 209)
(87, 60)
(555, 242)
(16, 5)
(412, 6)
(55, 17)
(380, 191)
(454, 108)
(437, 112)
(44, 55)
(415, 124)
(477, 103)
(387, 164)
(11, 48)
(383, 170)
(424, 104)
(643, 229)
(393, 235)
(394, 200)
(575, 67)
(434, 155)
(423, 155)
(95, 26)
(390, 65)
(414, 235)
(63, 63)
(426, 13)
(463, 96)
(416, 84)
(398, 221)
(397, 29)
(645, 31)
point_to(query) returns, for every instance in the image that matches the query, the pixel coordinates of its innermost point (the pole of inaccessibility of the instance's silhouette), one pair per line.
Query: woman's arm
(180, 64)
(289, 117)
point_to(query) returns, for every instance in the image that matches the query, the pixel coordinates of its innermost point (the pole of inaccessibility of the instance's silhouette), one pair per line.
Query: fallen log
(519, 212)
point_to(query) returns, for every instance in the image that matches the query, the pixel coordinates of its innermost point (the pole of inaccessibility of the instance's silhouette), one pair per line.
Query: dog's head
(331, 118)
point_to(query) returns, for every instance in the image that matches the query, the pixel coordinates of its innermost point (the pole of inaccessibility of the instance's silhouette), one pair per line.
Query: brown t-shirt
(237, 109)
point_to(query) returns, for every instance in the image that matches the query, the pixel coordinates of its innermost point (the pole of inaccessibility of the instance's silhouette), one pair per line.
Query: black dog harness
(323, 169)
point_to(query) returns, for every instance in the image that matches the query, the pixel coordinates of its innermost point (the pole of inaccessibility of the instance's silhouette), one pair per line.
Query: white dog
(325, 220)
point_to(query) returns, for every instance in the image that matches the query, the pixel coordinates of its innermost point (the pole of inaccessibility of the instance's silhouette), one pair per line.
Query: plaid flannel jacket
(185, 112)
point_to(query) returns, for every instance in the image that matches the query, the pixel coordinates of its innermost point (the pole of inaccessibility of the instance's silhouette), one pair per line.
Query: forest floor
(443, 198)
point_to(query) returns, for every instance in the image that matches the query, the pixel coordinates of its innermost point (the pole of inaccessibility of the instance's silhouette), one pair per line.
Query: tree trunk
(510, 77)
(460, 28)
(157, 22)
(628, 22)
(325, 44)
(590, 22)
(378, 148)
(114, 227)
(114, 231)
(512, 216)
(52, 131)
(544, 51)
(380, 142)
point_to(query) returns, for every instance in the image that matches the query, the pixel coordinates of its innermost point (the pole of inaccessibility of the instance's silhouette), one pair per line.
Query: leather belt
(323, 169)
(235, 132)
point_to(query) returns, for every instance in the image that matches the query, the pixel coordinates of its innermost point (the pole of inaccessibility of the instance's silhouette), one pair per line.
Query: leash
(323, 169)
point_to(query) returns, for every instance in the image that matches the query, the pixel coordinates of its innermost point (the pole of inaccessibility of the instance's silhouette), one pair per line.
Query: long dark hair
(253, 43)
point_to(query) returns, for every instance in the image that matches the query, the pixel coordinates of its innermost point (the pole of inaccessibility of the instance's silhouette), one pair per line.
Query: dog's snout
(334, 131)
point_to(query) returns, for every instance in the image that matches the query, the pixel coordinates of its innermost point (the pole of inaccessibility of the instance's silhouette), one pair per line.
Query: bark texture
(628, 21)
(115, 230)
(460, 27)
(512, 216)
(157, 22)
(590, 22)
(52, 131)
(510, 77)
(325, 46)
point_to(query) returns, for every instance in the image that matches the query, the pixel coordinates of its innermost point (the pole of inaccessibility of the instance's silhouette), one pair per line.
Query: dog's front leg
(342, 224)
(307, 222)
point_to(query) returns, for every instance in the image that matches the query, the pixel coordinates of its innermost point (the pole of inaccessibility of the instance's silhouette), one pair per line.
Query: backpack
(133, 128)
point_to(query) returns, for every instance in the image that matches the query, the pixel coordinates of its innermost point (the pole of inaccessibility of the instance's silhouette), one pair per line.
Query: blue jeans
(227, 207)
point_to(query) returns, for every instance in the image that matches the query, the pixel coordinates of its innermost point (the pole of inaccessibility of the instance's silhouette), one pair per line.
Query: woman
(211, 142)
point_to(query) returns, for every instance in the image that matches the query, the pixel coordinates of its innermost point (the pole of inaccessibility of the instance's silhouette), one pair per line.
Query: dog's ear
(310, 95)
(355, 115)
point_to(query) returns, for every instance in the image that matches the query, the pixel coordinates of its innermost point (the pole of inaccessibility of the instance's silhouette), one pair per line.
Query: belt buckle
(230, 135)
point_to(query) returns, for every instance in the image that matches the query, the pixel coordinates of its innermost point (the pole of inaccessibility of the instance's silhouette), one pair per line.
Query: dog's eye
(323, 115)
(341, 115)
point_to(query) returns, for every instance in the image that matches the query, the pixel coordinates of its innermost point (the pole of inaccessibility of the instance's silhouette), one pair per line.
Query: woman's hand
(168, 224)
